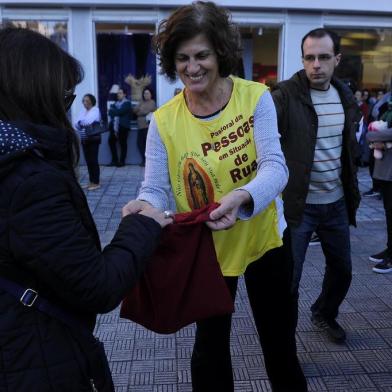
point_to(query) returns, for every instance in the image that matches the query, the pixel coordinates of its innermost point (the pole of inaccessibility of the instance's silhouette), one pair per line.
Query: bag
(96, 128)
(99, 374)
(96, 368)
(183, 282)
(148, 117)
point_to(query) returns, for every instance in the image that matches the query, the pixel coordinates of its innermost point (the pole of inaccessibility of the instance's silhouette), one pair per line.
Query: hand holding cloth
(183, 282)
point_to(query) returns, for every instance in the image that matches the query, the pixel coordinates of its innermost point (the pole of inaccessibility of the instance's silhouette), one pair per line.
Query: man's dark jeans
(386, 188)
(330, 222)
(122, 139)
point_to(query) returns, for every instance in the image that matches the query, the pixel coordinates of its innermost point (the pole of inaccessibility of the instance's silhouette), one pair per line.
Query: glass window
(366, 58)
(260, 54)
(55, 30)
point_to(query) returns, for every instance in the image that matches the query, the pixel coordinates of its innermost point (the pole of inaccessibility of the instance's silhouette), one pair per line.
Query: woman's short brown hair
(188, 21)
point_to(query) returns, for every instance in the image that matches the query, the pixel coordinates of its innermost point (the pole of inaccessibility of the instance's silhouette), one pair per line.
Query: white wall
(297, 25)
(82, 46)
(304, 5)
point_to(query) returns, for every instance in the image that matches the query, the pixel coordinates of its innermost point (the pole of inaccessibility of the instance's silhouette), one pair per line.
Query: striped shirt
(325, 183)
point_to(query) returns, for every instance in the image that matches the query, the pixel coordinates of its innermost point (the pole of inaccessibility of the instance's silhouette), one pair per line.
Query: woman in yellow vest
(217, 140)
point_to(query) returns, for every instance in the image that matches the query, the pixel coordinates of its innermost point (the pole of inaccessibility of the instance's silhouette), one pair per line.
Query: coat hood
(19, 139)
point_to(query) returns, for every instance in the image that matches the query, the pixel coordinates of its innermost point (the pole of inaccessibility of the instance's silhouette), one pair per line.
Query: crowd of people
(281, 165)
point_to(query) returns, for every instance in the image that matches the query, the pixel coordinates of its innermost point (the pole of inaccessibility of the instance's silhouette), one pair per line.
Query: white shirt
(87, 117)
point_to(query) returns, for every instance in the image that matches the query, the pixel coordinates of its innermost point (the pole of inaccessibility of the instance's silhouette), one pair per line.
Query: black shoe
(331, 328)
(371, 193)
(379, 257)
(315, 240)
(120, 164)
(384, 267)
(112, 163)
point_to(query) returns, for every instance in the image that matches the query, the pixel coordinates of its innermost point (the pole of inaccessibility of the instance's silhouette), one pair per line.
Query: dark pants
(141, 142)
(122, 139)
(268, 285)
(375, 183)
(90, 151)
(386, 190)
(330, 222)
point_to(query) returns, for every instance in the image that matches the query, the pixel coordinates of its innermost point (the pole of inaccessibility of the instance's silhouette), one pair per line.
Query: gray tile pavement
(142, 361)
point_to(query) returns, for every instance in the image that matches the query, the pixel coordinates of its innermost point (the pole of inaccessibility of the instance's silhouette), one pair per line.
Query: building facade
(112, 39)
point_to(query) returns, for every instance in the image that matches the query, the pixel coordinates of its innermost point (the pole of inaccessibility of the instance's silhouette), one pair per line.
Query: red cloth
(183, 282)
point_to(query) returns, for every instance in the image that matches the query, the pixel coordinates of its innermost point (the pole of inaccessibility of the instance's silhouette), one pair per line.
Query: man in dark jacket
(120, 117)
(317, 118)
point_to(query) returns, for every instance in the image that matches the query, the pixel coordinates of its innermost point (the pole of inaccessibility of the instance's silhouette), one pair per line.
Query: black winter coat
(48, 241)
(298, 124)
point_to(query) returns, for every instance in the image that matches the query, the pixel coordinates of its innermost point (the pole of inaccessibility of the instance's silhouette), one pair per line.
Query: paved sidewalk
(142, 361)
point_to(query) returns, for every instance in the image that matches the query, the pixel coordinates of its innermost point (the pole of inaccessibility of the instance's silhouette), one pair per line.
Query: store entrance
(125, 60)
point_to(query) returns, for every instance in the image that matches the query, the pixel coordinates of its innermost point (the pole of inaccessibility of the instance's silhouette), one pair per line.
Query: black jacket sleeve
(48, 238)
(280, 106)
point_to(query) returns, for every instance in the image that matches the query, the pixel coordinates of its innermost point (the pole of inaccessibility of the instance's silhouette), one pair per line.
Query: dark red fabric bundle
(183, 282)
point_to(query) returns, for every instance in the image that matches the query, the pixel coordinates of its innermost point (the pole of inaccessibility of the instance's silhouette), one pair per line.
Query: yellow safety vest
(208, 159)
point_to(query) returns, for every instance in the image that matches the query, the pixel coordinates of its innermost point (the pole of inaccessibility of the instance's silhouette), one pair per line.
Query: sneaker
(93, 187)
(84, 186)
(111, 164)
(314, 240)
(371, 193)
(384, 267)
(331, 328)
(379, 257)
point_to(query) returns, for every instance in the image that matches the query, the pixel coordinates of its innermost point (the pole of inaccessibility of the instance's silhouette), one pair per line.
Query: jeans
(376, 184)
(90, 151)
(268, 285)
(330, 222)
(386, 189)
(122, 139)
(141, 143)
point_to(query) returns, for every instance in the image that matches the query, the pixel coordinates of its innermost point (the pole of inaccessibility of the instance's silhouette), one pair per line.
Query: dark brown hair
(188, 21)
(35, 76)
(320, 33)
(92, 99)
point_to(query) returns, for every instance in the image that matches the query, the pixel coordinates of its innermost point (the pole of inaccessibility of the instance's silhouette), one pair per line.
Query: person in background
(361, 100)
(90, 144)
(54, 276)
(177, 90)
(366, 105)
(218, 141)
(318, 119)
(383, 173)
(375, 190)
(143, 112)
(120, 118)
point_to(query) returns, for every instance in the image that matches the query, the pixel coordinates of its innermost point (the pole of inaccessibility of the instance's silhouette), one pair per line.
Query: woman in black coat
(48, 240)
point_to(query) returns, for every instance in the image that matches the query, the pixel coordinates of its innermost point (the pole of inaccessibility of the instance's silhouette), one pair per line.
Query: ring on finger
(168, 214)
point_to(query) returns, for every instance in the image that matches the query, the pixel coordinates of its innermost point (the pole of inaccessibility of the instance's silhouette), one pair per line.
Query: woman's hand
(134, 207)
(158, 216)
(225, 215)
(144, 208)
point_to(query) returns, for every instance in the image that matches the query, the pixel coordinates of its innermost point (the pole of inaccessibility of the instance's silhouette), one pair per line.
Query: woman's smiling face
(197, 65)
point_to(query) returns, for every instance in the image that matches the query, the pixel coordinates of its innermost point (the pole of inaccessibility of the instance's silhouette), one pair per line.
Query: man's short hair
(320, 33)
